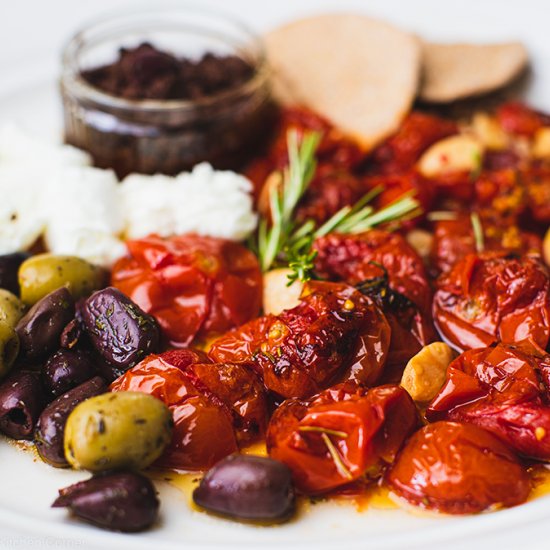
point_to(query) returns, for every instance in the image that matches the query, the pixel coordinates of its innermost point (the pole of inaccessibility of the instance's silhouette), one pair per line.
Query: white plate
(27, 486)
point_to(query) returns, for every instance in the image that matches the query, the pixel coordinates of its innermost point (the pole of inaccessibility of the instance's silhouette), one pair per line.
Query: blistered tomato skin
(120, 332)
(356, 259)
(249, 488)
(492, 297)
(503, 390)
(215, 406)
(458, 469)
(194, 286)
(341, 434)
(119, 501)
(334, 331)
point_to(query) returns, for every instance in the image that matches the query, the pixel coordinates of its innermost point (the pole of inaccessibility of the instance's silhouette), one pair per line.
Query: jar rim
(71, 79)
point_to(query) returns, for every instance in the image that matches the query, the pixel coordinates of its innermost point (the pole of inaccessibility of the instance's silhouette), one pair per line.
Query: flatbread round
(458, 71)
(360, 73)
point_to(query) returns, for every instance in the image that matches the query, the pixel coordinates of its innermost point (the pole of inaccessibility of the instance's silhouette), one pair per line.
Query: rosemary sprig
(478, 232)
(272, 238)
(318, 429)
(336, 458)
(280, 242)
(348, 220)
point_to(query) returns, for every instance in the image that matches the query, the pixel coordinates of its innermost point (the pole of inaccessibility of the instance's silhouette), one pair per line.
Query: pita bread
(458, 71)
(360, 73)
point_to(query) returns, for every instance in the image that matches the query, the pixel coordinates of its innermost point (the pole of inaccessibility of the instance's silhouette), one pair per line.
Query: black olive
(22, 400)
(67, 369)
(50, 428)
(248, 487)
(40, 329)
(120, 501)
(120, 332)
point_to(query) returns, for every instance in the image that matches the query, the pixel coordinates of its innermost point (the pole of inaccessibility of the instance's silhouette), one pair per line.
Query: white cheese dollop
(51, 190)
(204, 201)
(83, 215)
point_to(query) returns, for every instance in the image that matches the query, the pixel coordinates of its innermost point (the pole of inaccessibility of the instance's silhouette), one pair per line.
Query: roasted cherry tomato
(517, 118)
(504, 390)
(454, 239)
(458, 469)
(214, 405)
(335, 331)
(194, 286)
(340, 435)
(417, 132)
(384, 266)
(492, 297)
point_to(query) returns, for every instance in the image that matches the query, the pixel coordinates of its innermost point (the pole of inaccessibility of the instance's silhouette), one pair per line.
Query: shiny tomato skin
(240, 389)
(375, 424)
(492, 296)
(303, 350)
(504, 390)
(203, 435)
(350, 258)
(194, 286)
(457, 469)
(356, 258)
(215, 406)
(417, 132)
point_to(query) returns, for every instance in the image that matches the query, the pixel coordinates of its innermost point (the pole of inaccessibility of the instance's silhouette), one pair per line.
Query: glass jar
(166, 136)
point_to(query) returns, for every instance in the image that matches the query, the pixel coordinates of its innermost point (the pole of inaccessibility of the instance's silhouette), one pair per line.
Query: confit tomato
(194, 286)
(385, 267)
(504, 390)
(516, 118)
(215, 406)
(454, 239)
(416, 133)
(492, 297)
(458, 469)
(335, 331)
(340, 435)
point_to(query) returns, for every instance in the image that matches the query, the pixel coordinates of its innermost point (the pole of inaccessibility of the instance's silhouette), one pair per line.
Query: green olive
(11, 307)
(9, 347)
(44, 273)
(117, 430)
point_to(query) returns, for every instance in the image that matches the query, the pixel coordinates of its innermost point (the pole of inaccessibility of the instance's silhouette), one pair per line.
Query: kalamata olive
(9, 267)
(50, 428)
(120, 501)
(9, 347)
(11, 307)
(123, 430)
(71, 334)
(40, 328)
(21, 402)
(247, 487)
(119, 330)
(43, 273)
(66, 369)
